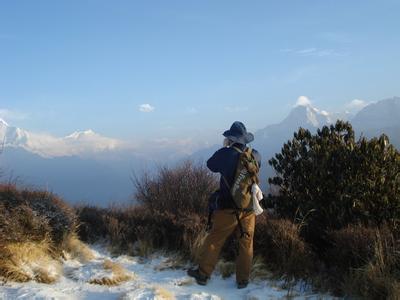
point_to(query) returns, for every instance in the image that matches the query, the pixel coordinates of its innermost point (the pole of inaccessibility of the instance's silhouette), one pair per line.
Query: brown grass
(76, 249)
(25, 261)
(118, 275)
(225, 268)
(259, 270)
(174, 261)
(179, 190)
(164, 294)
(41, 213)
(34, 226)
(279, 242)
(138, 231)
(379, 277)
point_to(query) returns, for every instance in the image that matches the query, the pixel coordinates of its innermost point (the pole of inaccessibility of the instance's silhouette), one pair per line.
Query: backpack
(246, 174)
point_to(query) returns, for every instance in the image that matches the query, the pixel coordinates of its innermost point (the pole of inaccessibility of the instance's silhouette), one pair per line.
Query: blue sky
(196, 66)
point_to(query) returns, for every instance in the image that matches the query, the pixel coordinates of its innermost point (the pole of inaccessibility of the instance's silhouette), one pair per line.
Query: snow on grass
(149, 280)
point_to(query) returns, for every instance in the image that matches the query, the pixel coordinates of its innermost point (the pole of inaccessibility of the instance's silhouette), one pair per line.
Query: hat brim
(244, 139)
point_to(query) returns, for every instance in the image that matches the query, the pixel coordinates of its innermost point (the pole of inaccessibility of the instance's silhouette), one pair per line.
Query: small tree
(333, 180)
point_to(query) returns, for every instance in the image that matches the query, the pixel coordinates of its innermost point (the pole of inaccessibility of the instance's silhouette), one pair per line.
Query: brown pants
(224, 224)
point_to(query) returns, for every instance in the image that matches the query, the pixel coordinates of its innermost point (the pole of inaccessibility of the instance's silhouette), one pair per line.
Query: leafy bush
(332, 180)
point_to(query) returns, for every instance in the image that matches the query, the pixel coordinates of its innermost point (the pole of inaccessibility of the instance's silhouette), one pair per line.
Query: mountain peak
(4, 123)
(304, 114)
(81, 134)
(303, 101)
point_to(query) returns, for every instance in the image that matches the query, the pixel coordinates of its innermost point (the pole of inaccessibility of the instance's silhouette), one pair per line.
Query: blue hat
(238, 134)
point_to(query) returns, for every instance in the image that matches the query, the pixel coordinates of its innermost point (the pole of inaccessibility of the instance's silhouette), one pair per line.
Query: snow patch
(150, 283)
(303, 101)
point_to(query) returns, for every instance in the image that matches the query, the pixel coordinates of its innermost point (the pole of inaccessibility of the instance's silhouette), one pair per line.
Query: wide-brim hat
(238, 133)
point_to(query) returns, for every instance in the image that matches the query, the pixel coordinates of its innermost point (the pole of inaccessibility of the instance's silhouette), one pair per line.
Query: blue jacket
(225, 162)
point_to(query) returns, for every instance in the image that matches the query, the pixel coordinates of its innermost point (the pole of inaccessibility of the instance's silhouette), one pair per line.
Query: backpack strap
(237, 149)
(236, 212)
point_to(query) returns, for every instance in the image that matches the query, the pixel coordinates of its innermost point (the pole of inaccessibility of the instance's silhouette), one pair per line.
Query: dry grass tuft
(25, 261)
(163, 294)
(185, 281)
(174, 261)
(259, 271)
(76, 249)
(379, 278)
(279, 242)
(118, 275)
(142, 248)
(33, 229)
(225, 268)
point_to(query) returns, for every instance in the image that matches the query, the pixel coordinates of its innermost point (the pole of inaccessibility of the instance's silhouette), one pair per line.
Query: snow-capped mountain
(79, 143)
(12, 135)
(302, 115)
(270, 139)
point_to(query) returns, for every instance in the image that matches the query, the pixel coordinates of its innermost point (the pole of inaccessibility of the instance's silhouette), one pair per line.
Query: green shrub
(331, 180)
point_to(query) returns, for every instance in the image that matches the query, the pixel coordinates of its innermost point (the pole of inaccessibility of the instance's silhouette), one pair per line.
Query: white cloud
(303, 101)
(356, 105)
(306, 51)
(10, 115)
(314, 52)
(146, 108)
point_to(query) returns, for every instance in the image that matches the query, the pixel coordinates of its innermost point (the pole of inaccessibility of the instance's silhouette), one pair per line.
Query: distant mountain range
(85, 166)
(376, 118)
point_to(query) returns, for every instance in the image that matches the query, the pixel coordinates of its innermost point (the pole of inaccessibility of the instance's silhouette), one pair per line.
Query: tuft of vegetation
(36, 229)
(117, 276)
(29, 215)
(180, 190)
(284, 251)
(138, 231)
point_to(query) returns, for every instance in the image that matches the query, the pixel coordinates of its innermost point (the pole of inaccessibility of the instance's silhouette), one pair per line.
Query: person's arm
(214, 162)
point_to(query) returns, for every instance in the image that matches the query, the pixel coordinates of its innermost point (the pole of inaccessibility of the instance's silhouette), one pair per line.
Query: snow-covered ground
(150, 280)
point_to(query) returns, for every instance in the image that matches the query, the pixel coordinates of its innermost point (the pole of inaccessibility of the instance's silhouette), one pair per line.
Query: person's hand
(226, 142)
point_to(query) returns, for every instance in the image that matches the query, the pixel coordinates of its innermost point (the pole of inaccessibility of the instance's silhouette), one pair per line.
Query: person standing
(228, 218)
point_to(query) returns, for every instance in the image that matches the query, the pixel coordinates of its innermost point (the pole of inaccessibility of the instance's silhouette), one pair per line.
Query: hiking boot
(242, 284)
(200, 278)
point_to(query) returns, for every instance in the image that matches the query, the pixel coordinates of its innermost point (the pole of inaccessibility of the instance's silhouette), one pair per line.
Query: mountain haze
(86, 166)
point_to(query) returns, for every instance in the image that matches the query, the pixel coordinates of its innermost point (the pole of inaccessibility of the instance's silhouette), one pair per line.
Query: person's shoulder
(222, 150)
